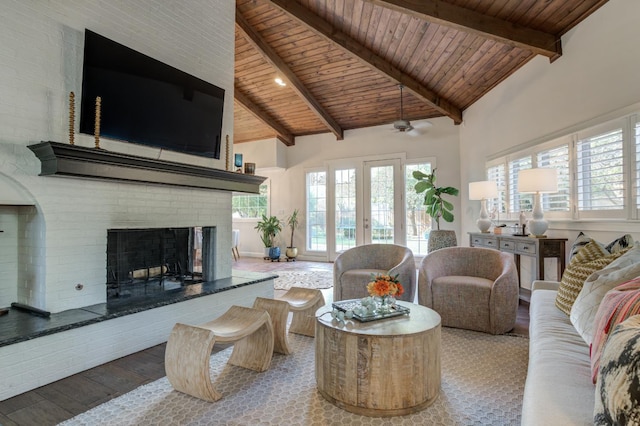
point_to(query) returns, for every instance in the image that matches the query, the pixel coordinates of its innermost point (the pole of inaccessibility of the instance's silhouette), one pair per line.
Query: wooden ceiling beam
(281, 132)
(287, 74)
(367, 56)
(450, 15)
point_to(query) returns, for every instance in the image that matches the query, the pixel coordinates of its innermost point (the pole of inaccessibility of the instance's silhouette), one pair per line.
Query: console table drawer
(508, 246)
(526, 248)
(489, 242)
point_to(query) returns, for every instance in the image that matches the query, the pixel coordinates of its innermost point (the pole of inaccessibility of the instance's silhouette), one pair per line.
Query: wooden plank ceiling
(342, 60)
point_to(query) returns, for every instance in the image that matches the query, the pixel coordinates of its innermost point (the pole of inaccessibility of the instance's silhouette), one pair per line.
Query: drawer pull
(525, 248)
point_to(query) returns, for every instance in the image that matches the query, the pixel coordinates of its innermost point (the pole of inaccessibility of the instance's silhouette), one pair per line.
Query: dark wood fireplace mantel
(73, 160)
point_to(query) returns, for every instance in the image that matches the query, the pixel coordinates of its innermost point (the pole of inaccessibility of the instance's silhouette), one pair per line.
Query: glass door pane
(418, 222)
(381, 206)
(345, 209)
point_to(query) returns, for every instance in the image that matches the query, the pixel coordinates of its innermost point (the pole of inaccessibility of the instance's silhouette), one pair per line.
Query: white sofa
(558, 389)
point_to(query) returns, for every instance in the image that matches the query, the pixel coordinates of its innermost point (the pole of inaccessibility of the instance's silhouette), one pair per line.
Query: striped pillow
(591, 258)
(618, 304)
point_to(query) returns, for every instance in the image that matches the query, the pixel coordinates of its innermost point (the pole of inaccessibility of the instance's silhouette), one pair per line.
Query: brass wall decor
(72, 116)
(97, 124)
(228, 162)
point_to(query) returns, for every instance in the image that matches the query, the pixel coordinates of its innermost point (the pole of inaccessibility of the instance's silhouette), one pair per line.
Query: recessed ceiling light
(280, 82)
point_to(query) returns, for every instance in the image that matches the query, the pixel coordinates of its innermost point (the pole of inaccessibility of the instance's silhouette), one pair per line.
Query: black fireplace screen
(152, 259)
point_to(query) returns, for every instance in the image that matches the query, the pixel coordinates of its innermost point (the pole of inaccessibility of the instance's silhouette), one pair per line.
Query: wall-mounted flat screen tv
(148, 102)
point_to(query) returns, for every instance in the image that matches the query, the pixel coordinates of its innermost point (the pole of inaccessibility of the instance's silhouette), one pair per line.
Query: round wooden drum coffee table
(388, 367)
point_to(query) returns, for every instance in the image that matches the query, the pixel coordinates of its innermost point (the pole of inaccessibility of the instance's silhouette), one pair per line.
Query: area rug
(306, 279)
(482, 384)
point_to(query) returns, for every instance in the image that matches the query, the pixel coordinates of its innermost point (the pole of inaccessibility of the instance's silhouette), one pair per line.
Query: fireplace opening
(151, 261)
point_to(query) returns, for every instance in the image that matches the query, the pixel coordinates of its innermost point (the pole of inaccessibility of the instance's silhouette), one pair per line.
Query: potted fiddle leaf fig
(293, 222)
(437, 207)
(269, 227)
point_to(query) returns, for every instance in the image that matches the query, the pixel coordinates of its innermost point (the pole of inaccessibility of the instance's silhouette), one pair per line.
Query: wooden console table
(538, 248)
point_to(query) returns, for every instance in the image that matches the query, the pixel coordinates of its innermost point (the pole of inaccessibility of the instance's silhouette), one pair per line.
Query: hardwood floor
(61, 400)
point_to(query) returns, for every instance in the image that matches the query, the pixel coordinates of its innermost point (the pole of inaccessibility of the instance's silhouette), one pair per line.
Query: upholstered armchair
(352, 270)
(471, 287)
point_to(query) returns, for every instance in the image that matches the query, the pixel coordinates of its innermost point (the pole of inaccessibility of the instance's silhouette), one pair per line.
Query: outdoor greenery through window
(418, 222)
(317, 211)
(592, 170)
(250, 206)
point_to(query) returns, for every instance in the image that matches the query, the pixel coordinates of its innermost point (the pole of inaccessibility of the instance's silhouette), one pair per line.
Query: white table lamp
(538, 181)
(481, 191)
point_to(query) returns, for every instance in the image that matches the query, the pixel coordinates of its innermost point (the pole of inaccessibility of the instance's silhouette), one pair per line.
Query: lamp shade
(538, 180)
(483, 189)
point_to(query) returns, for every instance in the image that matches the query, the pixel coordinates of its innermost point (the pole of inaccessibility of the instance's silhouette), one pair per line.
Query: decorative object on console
(96, 132)
(250, 168)
(237, 162)
(72, 116)
(482, 190)
(538, 181)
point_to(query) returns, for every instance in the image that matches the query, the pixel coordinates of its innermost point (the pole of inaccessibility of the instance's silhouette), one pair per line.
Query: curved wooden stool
(303, 302)
(189, 349)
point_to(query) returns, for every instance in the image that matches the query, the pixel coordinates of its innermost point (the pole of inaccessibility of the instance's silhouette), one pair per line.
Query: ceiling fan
(404, 126)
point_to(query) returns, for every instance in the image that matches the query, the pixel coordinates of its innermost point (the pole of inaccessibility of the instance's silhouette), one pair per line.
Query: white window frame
(631, 167)
(267, 183)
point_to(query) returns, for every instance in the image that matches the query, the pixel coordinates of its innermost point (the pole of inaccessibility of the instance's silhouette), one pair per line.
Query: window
(345, 206)
(417, 220)
(317, 211)
(497, 206)
(599, 172)
(250, 206)
(556, 158)
(519, 202)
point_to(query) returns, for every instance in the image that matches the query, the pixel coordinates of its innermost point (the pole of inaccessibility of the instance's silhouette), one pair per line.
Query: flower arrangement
(385, 285)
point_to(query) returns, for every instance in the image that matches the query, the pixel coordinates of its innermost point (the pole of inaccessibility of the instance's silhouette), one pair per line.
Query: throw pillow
(617, 391)
(589, 259)
(617, 305)
(621, 270)
(619, 243)
(581, 240)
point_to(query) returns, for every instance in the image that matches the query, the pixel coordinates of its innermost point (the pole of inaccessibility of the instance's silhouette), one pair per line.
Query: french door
(367, 205)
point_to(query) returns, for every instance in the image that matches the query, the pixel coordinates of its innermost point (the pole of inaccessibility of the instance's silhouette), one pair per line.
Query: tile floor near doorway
(61, 400)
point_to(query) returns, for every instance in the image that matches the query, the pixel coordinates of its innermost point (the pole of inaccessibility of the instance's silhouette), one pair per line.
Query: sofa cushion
(589, 259)
(354, 282)
(583, 311)
(558, 388)
(616, 306)
(617, 392)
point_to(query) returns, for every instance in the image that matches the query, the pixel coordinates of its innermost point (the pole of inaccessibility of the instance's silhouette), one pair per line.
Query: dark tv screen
(148, 102)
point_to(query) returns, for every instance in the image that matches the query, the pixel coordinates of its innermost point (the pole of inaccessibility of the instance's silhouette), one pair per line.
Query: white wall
(597, 74)
(41, 49)
(288, 186)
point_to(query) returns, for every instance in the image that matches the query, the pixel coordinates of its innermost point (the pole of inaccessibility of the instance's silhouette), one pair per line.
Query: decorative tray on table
(353, 305)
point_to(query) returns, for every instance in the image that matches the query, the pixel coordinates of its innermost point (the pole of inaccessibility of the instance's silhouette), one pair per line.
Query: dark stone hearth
(19, 326)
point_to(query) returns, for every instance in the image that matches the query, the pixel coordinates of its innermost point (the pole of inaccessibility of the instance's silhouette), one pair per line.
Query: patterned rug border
(306, 279)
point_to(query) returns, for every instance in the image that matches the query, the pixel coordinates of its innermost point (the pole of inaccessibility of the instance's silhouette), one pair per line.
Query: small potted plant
(436, 207)
(293, 222)
(269, 227)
